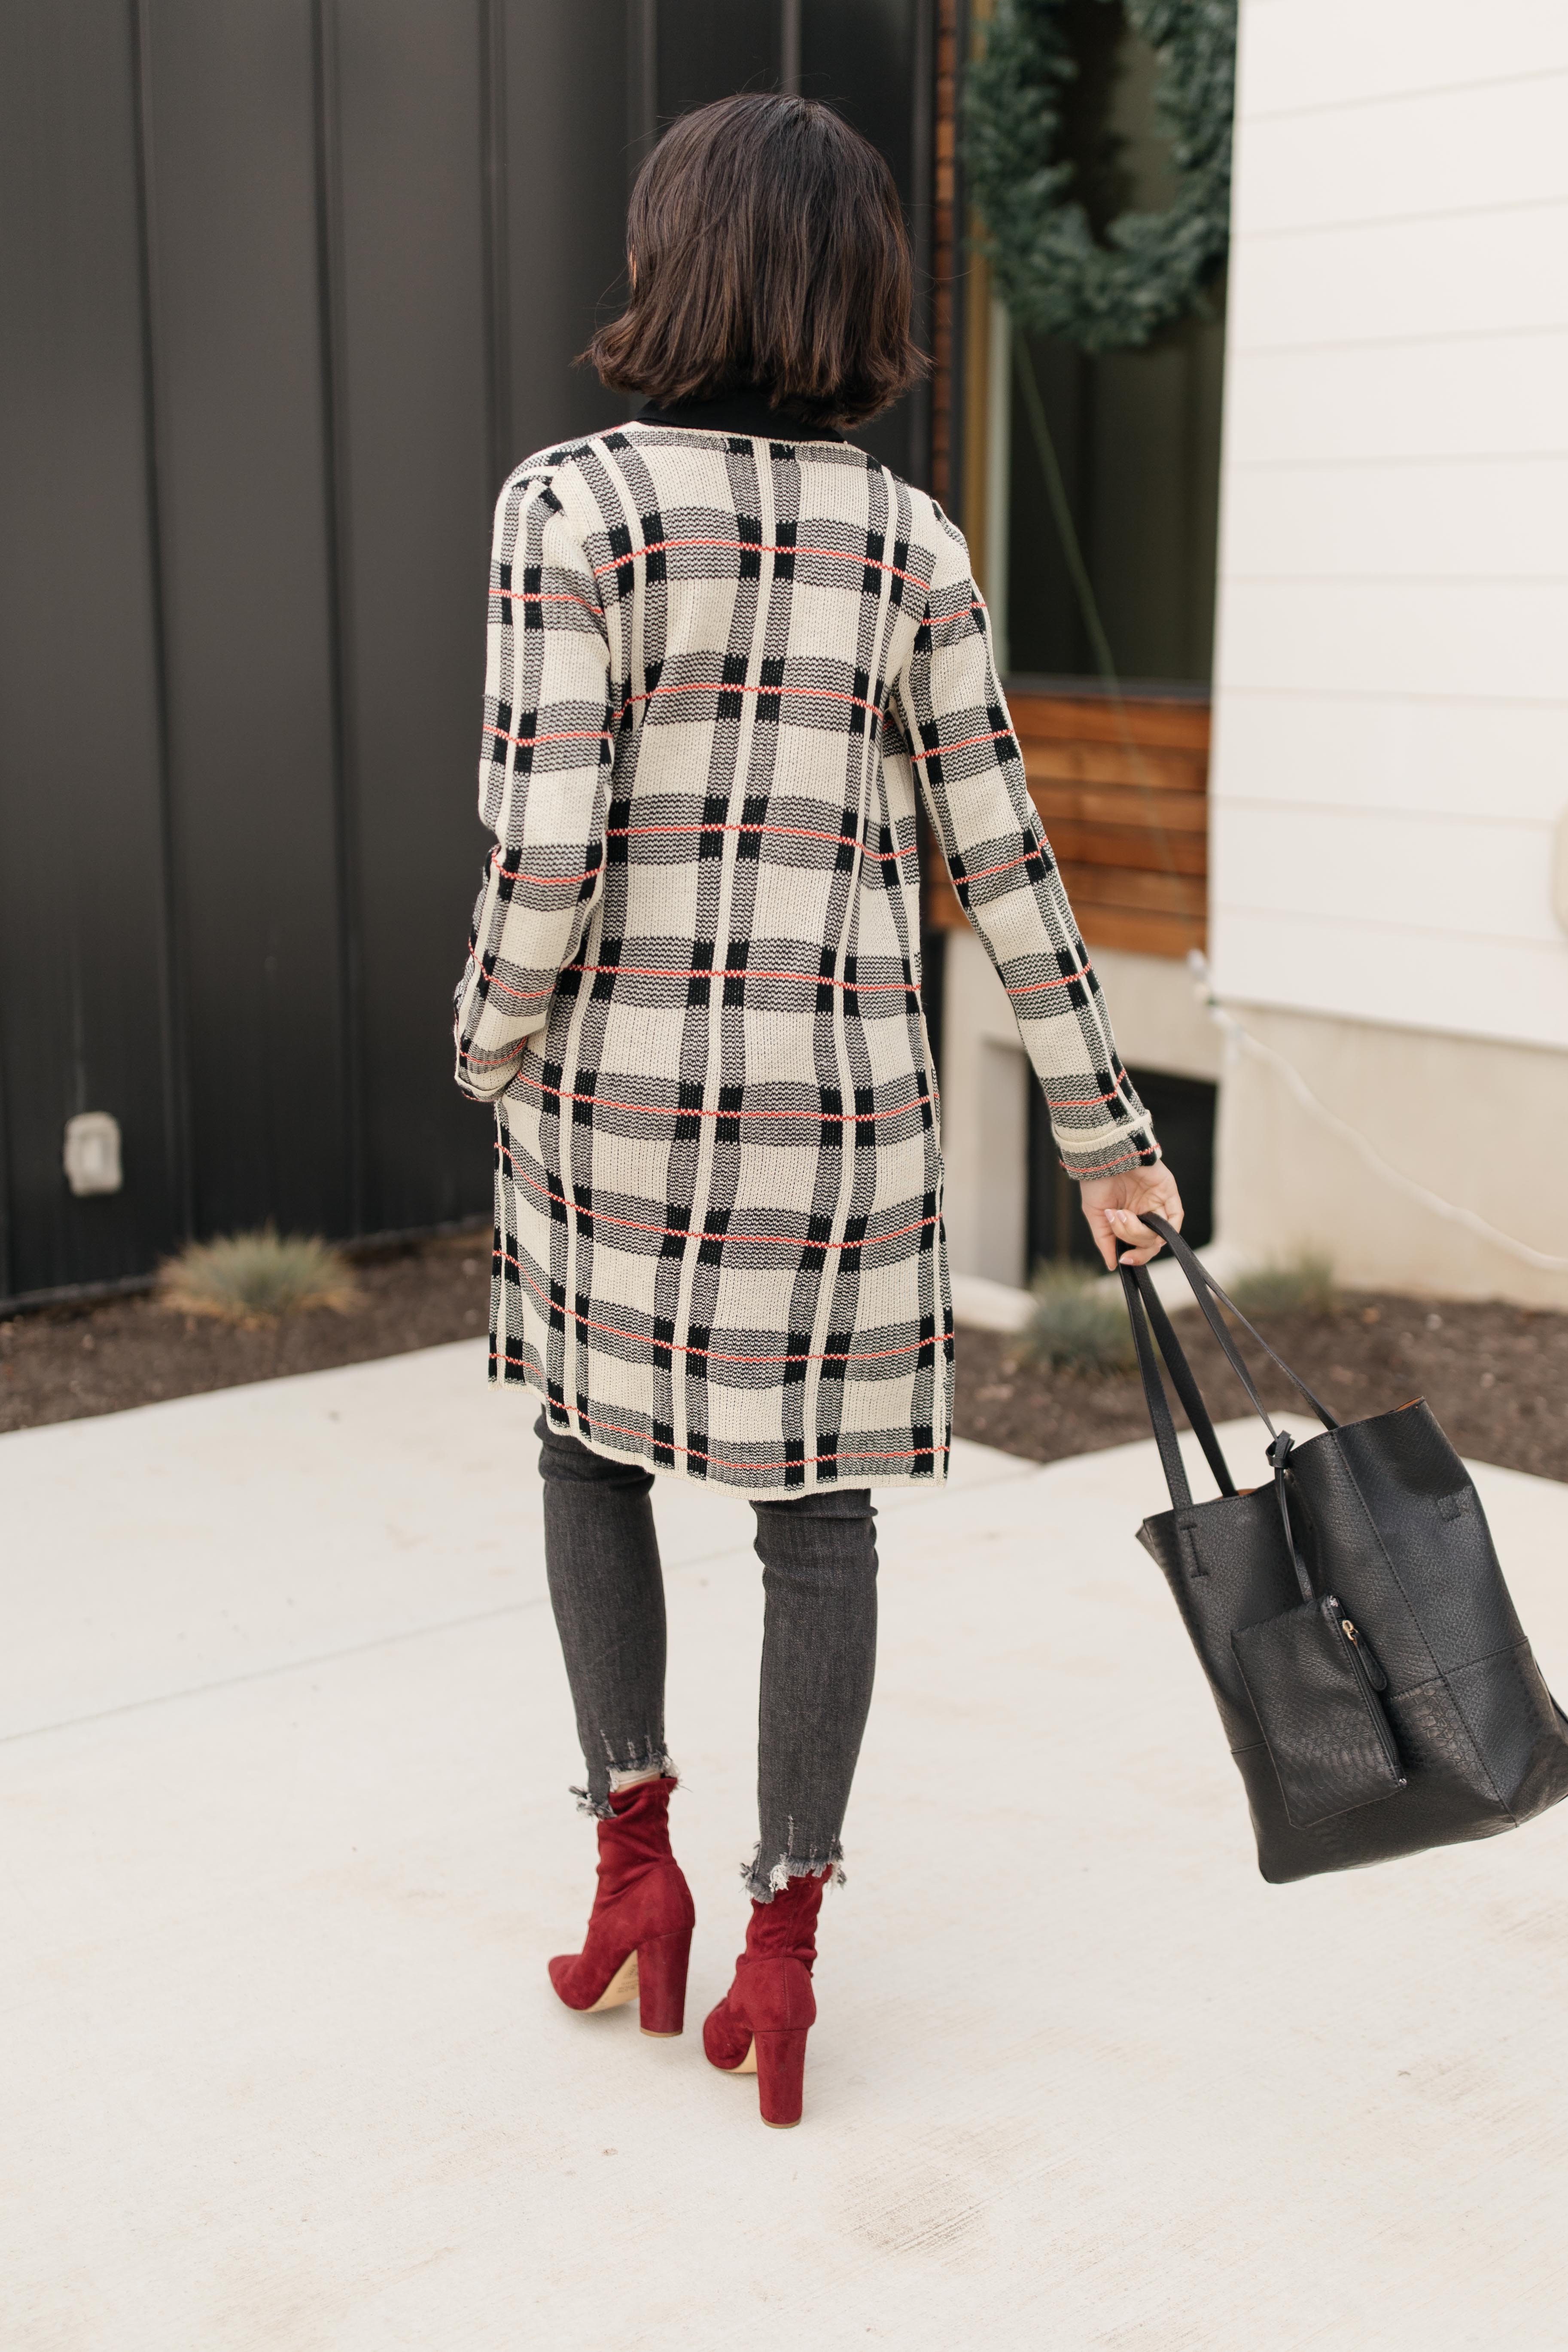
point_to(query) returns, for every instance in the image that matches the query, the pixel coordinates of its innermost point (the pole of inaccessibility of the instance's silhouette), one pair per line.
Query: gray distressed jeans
(819, 1644)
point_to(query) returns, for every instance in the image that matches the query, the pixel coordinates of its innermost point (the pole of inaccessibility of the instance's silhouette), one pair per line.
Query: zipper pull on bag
(1374, 1672)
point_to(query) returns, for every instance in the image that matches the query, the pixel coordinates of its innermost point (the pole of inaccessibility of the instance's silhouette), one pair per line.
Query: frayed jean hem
(654, 1765)
(765, 1878)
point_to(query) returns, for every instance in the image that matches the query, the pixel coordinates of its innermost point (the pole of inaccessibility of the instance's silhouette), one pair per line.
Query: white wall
(984, 1118)
(1392, 673)
(987, 1081)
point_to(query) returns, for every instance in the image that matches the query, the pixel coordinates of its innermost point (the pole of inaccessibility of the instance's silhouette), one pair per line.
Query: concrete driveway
(287, 1844)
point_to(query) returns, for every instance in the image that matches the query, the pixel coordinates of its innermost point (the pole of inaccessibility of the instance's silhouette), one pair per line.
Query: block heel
(760, 2026)
(662, 1962)
(639, 1936)
(780, 2060)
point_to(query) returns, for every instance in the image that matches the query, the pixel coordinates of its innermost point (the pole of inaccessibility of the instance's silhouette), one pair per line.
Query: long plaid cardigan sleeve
(722, 667)
(544, 771)
(972, 776)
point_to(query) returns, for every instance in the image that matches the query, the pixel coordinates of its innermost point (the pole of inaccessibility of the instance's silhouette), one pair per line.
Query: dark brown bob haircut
(767, 247)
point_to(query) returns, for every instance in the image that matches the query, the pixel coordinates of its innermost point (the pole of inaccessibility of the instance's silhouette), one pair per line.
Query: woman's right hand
(1112, 1205)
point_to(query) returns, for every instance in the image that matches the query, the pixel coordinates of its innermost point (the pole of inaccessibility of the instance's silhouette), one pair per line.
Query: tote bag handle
(1137, 1290)
(1151, 1323)
(1143, 1302)
(1206, 1290)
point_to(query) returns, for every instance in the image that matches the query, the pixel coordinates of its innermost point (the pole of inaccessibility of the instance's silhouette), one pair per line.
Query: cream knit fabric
(722, 669)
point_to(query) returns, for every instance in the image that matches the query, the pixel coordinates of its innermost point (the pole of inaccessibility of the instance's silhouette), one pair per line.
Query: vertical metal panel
(710, 48)
(289, 286)
(642, 83)
(494, 227)
(871, 59)
(242, 456)
(415, 497)
(789, 47)
(920, 201)
(82, 1007)
(859, 55)
(955, 33)
(566, 210)
(1137, 437)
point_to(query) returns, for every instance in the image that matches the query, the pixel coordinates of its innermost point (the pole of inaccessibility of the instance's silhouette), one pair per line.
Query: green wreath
(1051, 272)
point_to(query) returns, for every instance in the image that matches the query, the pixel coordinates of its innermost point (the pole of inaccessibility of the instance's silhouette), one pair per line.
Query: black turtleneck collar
(747, 410)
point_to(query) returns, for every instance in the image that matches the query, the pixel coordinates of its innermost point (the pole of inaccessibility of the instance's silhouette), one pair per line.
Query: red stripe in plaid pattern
(983, 873)
(694, 1452)
(744, 971)
(690, 1234)
(567, 735)
(673, 1111)
(628, 1319)
(1086, 1102)
(718, 686)
(799, 833)
(758, 547)
(719, 1355)
(706, 972)
(555, 881)
(548, 596)
(1062, 980)
(946, 751)
(1109, 1167)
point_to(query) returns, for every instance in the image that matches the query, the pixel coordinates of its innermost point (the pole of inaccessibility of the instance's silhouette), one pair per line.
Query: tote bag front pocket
(1315, 1694)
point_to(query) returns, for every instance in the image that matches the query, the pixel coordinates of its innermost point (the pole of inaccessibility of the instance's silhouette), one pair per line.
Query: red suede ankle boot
(639, 1933)
(760, 2026)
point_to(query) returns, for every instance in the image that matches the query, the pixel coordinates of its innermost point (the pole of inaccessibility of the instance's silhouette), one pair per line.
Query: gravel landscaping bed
(1496, 1376)
(62, 1363)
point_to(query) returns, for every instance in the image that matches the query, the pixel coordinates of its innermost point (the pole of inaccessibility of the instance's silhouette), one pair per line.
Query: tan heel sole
(622, 1988)
(748, 2065)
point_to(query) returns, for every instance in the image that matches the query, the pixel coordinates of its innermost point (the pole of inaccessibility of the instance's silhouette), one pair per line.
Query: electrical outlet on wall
(92, 1152)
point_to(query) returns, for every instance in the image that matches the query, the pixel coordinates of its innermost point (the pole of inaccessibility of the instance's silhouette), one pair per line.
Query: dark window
(1136, 433)
(1182, 1110)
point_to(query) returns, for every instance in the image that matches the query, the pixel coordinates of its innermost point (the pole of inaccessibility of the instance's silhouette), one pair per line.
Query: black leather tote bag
(1375, 1685)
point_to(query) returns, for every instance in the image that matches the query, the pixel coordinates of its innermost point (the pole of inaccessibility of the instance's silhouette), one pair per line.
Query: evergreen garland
(1053, 274)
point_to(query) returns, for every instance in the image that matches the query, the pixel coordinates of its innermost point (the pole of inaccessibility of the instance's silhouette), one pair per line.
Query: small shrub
(251, 1278)
(1297, 1286)
(1078, 1324)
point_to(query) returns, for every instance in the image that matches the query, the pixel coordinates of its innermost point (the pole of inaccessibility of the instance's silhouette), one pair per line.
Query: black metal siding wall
(289, 286)
(84, 984)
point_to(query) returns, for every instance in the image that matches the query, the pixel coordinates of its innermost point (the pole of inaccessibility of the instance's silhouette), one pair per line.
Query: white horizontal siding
(1496, 518)
(1439, 757)
(1471, 877)
(1506, 639)
(1414, 153)
(1476, 273)
(1513, 989)
(1391, 751)
(1335, 54)
(1487, 396)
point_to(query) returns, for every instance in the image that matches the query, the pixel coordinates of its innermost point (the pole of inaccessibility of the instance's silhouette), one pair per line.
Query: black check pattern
(720, 669)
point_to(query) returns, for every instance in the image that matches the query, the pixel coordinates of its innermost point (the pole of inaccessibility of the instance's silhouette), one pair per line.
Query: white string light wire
(1235, 1030)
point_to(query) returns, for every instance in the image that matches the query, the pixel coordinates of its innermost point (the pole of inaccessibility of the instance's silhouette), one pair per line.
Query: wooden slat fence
(1123, 797)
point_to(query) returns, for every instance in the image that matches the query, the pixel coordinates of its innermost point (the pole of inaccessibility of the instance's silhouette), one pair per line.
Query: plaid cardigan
(720, 668)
